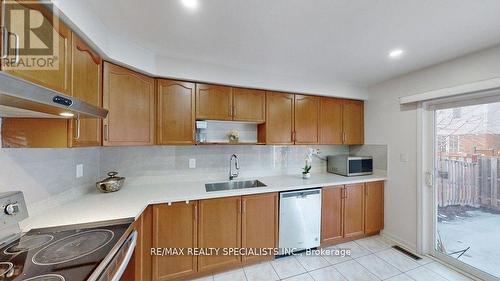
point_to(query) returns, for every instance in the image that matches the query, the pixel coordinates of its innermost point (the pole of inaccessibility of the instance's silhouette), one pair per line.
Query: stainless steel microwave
(350, 165)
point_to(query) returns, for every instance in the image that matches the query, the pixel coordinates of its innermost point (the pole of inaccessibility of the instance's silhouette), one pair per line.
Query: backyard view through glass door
(467, 163)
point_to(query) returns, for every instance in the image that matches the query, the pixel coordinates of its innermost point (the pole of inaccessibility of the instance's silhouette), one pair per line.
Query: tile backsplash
(212, 161)
(48, 176)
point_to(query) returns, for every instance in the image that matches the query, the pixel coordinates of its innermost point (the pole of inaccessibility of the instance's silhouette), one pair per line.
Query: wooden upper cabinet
(174, 226)
(278, 128)
(306, 119)
(354, 207)
(332, 210)
(259, 223)
(129, 97)
(86, 73)
(353, 121)
(175, 112)
(331, 121)
(54, 73)
(214, 102)
(219, 226)
(249, 105)
(374, 207)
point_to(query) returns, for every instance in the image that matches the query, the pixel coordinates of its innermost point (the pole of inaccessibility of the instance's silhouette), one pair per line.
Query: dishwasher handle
(300, 194)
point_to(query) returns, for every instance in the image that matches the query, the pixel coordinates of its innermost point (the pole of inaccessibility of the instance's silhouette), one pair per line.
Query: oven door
(117, 265)
(360, 166)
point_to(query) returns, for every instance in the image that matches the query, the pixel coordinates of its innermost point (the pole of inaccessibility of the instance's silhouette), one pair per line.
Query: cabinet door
(34, 133)
(259, 223)
(174, 226)
(249, 105)
(50, 69)
(129, 98)
(330, 121)
(306, 119)
(374, 207)
(142, 256)
(219, 227)
(176, 112)
(86, 71)
(354, 201)
(353, 122)
(214, 102)
(332, 208)
(278, 128)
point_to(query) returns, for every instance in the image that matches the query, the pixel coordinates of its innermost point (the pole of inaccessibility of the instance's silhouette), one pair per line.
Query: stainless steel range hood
(20, 98)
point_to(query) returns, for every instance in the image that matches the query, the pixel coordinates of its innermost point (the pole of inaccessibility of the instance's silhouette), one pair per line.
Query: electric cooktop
(68, 253)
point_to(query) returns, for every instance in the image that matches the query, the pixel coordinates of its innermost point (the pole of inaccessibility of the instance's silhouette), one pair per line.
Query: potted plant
(306, 173)
(234, 136)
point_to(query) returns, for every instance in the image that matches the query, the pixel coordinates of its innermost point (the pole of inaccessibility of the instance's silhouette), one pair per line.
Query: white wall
(389, 123)
(126, 52)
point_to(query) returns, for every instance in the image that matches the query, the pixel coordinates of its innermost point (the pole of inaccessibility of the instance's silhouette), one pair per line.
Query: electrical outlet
(192, 163)
(79, 170)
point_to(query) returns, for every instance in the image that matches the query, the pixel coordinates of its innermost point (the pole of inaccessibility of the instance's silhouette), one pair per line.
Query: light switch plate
(192, 163)
(403, 157)
(79, 170)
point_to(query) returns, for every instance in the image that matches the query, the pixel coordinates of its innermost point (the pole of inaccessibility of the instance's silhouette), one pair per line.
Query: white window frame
(426, 193)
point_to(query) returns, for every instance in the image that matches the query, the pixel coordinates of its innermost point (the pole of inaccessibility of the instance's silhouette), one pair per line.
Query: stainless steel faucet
(236, 166)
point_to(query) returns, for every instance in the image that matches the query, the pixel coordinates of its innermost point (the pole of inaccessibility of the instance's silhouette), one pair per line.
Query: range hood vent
(20, 98)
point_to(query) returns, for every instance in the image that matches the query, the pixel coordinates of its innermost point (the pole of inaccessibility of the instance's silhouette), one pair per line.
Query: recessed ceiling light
(396, 53)
(66, 114)
(191, 4)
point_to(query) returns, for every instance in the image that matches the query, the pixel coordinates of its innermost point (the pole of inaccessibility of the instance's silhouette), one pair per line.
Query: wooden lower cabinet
(174, 226)
(259, 229)
(354, 208)
(332, 214)
(374, 207)
(142, 257)
(352, 211)
(219, 226)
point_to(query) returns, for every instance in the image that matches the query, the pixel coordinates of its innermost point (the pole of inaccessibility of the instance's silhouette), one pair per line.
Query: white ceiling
(321, 40)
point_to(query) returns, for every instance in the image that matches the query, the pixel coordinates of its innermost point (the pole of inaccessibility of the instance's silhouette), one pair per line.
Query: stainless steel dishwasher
(300, 220)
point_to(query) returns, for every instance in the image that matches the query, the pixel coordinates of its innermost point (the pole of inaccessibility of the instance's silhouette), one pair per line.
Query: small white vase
(306, 176)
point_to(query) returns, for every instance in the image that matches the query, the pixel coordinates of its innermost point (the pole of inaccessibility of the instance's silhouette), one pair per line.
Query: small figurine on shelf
(234, 136)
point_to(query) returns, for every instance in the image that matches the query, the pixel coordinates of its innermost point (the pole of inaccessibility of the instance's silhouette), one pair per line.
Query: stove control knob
(12, 209)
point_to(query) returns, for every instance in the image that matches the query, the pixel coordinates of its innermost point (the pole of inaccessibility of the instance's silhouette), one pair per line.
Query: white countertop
(132, 199)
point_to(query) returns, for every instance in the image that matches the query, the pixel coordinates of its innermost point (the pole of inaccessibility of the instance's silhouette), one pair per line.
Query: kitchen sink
(229, 185)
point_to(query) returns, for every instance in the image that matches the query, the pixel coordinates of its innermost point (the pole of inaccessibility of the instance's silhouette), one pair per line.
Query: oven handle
(128, 256)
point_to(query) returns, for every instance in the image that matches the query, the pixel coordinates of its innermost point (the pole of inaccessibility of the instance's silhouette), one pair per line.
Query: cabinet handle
(77, 137)
(366, 191)
(17, 47)
(234, 110)
(244, 207)
(345, 192)
(343, 138)
(106, 132)
(239, 206)
(5, 42)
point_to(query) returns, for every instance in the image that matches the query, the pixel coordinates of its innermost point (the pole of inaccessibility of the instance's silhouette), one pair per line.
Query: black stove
(67, 253)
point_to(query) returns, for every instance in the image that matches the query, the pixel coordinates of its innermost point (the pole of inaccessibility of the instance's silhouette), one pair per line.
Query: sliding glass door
(466, 157)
